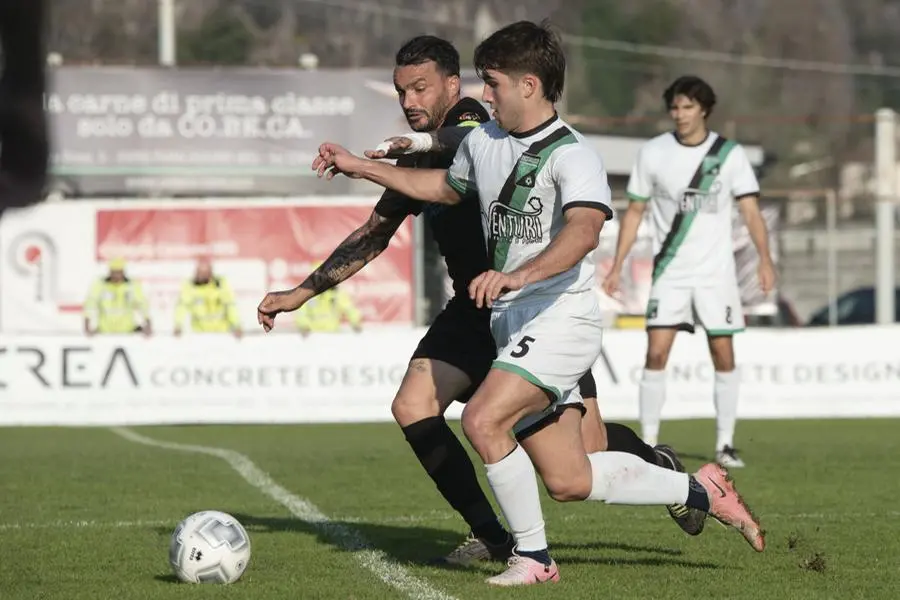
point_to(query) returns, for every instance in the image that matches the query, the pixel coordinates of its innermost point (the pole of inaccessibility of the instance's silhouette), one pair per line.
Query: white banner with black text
(348, 377)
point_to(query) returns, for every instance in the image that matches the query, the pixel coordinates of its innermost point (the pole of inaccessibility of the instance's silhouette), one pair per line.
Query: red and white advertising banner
(53, 252)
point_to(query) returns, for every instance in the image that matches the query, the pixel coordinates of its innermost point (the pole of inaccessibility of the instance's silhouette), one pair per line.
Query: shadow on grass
(414, 544)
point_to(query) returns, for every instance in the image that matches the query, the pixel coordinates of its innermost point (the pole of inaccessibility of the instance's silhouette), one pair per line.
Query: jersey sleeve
(394, 205)
(461, 174)
(582, 180)
(743, 177)
(640, 183)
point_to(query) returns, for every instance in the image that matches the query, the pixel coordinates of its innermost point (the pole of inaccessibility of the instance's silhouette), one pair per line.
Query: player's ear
(453, 84)
(531, 85)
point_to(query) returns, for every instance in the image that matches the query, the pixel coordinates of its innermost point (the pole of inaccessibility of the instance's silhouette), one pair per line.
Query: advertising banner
(52, 254)
(346, 377)
(226, 131)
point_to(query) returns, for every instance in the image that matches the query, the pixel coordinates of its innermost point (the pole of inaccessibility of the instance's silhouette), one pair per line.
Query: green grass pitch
(86, 514)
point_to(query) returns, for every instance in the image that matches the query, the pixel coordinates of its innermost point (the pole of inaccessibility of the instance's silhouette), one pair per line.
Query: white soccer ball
(209, 547)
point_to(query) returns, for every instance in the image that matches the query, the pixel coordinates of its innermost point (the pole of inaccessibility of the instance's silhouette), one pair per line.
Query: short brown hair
(691, 86)
(525, 47)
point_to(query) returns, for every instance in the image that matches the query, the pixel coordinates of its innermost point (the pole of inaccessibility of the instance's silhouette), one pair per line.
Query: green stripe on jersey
(461, 187)
(518, 186)
(702, 181)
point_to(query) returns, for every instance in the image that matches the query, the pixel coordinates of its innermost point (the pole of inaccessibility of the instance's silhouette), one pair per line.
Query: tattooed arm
(355, 252)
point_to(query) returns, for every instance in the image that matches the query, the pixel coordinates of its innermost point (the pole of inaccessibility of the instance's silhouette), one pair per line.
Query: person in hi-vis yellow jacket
(208, 301)
(115, 303)
(325, 312)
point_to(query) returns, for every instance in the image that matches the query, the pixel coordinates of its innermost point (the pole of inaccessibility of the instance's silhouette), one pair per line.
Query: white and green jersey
(691, 191)
(525, 183)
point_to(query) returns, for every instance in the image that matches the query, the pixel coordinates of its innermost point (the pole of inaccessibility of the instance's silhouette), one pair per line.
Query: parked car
(856, 307)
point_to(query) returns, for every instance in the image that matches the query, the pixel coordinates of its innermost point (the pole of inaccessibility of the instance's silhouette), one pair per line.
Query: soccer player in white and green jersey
(543, 197)
(689, 179)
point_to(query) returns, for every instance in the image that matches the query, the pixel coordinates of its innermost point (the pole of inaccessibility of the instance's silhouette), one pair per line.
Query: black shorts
(461, 336)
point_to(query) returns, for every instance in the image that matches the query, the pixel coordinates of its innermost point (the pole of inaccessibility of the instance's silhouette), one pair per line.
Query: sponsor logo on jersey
(469, 116)
(509, 224)
(526, 170)
(694, 200)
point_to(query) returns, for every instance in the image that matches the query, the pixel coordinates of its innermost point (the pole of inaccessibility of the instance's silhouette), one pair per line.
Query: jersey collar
(698, 144)
(536, 130)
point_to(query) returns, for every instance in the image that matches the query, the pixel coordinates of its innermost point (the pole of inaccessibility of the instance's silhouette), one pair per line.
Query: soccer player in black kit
(456, 353)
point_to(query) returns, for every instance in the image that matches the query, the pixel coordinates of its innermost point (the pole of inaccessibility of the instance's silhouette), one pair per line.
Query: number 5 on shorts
(522, 348)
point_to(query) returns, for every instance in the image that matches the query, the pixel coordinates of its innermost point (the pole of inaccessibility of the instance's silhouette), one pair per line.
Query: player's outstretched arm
(426, 185)
(359, 249)
(444, 139)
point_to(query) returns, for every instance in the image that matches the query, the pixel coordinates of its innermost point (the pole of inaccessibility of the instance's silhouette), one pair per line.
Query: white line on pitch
(84, 524)
(347, 538)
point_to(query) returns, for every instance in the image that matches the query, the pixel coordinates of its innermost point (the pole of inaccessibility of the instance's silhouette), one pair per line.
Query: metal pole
(831, 240)
(885, 167)
(167, 33)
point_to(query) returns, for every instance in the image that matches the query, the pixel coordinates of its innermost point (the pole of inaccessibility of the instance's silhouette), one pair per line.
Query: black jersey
(456, 228)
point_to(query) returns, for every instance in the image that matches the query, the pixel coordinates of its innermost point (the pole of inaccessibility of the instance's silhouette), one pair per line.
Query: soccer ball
(209, 547)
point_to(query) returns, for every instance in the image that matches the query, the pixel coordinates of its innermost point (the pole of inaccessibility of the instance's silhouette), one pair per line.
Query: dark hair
(525, 47)
(424, 48)
(694, 88)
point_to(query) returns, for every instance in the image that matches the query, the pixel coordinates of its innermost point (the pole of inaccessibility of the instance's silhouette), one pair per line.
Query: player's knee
(412, 408)
(566, 488)
(478, 425)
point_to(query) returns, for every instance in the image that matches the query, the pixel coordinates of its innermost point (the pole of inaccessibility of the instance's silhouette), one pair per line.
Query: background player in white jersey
(544, 198)
(690, 179)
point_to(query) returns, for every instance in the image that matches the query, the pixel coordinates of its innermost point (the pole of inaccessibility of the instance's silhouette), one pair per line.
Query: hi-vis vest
(325, 312)
(115, 305)
(210, 306)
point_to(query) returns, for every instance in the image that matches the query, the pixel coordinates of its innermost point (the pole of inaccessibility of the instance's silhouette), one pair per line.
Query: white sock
(621, 478)
(725, 397)
(514, 483)
(651, 399)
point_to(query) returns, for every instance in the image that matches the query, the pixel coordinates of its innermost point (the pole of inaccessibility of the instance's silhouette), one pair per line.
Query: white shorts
(551, 342)
(715, 305)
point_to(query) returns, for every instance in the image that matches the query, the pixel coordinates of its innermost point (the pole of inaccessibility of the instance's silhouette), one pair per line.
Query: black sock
(542, 556)
(452, 471)
(697, 496)
(620, 438)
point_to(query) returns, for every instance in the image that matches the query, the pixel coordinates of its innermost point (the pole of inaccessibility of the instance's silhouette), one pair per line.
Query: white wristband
(419, 142)
(383, 147)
